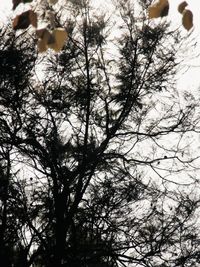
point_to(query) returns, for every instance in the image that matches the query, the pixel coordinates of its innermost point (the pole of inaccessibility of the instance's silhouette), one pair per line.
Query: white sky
(189, 80)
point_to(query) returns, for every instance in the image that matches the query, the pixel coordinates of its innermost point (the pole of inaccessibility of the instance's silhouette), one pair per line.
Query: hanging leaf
(44, 38)
(25, 19)
(33, 18)
(21, 21)
(54, 40)
(158, 9)
(45, 35)
(17, 2)
(40, 32)
(182, 7)
(59, 37)
(42, 46)
(187, 19)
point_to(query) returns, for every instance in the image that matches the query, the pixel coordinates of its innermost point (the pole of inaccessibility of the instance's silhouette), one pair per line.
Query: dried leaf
(59, 37)
(44, 38)
(187, 19)
(40, 32)
(159, 9)
(21, 21)
(182, 7)
(54, 40)
(25, 19)
(42, 46)
(33, 18)
(43, 34)
(164, 12)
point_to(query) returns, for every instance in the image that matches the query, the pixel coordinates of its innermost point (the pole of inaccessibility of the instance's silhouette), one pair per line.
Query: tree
(16, 62)
(93, 153)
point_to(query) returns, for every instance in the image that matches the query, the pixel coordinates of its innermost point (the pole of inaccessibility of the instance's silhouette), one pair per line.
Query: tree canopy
(97, 168)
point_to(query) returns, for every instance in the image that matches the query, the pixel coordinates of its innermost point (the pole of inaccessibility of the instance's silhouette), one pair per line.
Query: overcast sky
(191, 79)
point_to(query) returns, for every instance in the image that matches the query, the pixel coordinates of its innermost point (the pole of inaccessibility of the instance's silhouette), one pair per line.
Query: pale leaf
(23, 20)
(42, 46)
(182, 7)
(187, 19)
(158, 9)
(33, 18)
(44, 38)
(60, 36)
